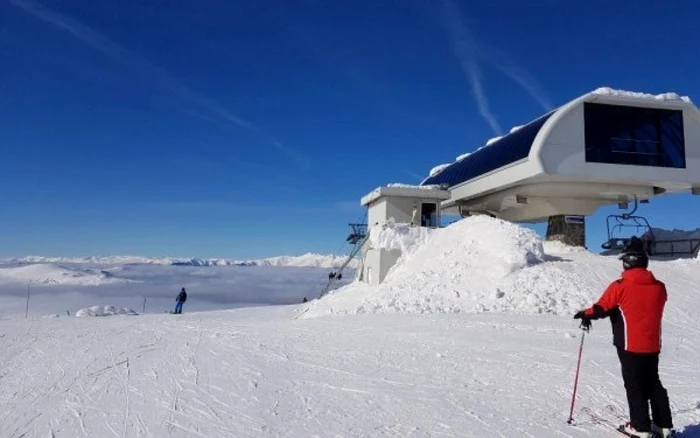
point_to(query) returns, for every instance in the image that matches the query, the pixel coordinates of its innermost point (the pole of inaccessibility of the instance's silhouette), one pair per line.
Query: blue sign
(574, 219)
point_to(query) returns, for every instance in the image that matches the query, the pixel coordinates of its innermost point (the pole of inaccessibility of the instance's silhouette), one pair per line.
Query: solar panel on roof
(506, 150)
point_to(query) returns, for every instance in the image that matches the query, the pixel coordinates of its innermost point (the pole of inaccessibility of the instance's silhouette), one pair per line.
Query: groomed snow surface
(497, 360)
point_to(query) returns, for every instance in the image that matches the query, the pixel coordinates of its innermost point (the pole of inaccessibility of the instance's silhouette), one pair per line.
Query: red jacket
(635, 305)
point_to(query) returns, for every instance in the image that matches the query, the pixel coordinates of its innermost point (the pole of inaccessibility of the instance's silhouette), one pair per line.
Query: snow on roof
(439, 168)
(602, 91)
(493, 140)
(607, 91)
(463, 156)
(409, 186)
(405, 190)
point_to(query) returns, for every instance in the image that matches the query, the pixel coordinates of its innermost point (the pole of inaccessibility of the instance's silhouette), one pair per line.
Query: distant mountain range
(309, 260)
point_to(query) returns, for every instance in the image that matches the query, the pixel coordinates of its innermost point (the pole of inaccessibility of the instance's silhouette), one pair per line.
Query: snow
(260, 372)
(302, 370)
(607, 91)
(492, 140)
(104, 311)
(209, 287)
(51, 274)
(398, 236)
(409, 186)
(463, 156)
(437, 169)
(476, 264)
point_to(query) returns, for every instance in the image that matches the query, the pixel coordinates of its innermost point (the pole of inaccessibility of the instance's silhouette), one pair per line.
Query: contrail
(160, 76)
(464, 46)
(518, 74)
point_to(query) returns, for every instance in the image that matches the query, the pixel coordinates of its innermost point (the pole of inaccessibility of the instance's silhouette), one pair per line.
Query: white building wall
(563, 153)
(401, 209)
(378, 262)
(376, 213)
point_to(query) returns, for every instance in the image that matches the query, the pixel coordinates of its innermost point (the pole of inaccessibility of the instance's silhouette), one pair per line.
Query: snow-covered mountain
(48, 274)
(311, 260)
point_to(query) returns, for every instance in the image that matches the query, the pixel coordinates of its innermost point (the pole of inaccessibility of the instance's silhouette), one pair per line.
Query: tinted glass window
(509, 149)
(618, 134)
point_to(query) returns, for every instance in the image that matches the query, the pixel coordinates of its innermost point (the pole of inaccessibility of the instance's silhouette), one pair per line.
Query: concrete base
(559, 229)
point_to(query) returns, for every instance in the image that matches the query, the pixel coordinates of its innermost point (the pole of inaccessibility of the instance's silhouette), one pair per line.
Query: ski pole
(578, 367)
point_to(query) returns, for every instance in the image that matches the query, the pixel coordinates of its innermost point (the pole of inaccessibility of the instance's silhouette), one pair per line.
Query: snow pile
(492, 140)
(104, 311)
(607, 91)
(463, 156)
(474, 265)
(556, 247)
(50, 274)
(437, 169)
(399, 236)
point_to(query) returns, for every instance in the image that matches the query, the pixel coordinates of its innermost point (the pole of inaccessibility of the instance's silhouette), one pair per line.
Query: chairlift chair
(616, 226)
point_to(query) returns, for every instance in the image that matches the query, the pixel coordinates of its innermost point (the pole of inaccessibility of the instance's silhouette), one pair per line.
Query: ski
(621, 429)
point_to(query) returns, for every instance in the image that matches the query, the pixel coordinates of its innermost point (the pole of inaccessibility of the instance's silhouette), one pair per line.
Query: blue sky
(250, 129)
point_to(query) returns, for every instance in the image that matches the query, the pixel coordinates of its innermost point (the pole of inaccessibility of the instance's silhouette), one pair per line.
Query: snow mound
(399, 236)
(492, 140)
(477, 264)
(437, 169)
(463, 156)
(50, 274)
(607, 91)
(553, 247)
(104, 311)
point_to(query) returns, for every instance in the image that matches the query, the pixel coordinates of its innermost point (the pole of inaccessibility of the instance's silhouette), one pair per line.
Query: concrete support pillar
(571, 232)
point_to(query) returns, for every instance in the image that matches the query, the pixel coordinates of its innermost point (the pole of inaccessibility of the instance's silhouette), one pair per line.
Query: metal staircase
(357, 238)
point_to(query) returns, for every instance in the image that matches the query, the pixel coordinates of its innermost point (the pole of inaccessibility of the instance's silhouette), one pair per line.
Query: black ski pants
(640, 372)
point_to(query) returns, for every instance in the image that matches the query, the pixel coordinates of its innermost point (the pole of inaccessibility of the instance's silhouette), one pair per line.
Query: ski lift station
(605, 147)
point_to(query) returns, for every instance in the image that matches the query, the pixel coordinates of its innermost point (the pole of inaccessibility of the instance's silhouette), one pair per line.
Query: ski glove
(585, 320)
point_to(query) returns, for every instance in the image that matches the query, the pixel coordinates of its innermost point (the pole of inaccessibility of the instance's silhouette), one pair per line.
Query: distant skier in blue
(181, 298)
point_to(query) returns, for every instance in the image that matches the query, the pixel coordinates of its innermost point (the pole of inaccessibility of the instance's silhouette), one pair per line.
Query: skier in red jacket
(635, 305)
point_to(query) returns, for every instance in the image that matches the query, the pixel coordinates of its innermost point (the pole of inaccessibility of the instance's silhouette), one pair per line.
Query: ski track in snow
(267, 372)
(259, 372)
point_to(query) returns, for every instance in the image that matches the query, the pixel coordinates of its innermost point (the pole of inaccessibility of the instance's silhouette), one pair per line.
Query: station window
(627, 135)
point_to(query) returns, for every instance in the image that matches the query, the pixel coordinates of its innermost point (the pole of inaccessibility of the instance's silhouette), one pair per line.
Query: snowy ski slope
(399, 370)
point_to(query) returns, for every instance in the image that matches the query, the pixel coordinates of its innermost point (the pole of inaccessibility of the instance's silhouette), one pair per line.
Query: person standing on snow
(635, 305)
(181, 298)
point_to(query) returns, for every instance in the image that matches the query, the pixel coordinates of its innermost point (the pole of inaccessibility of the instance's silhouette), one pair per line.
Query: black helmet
(634, 255)
(635, 244)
